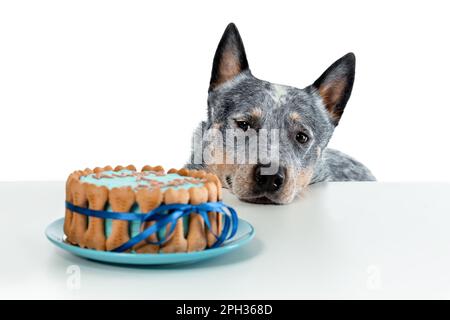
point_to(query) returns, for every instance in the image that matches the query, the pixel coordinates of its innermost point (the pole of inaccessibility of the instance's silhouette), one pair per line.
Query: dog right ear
(335, 86)
(230, 59)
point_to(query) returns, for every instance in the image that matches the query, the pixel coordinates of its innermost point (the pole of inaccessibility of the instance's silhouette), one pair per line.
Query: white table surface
(341, 240)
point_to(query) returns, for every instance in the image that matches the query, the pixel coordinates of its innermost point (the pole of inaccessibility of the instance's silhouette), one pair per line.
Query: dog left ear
(230, 59)
(335, 86)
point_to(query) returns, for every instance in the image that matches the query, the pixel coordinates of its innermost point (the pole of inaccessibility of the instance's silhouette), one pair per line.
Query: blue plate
(55, 234)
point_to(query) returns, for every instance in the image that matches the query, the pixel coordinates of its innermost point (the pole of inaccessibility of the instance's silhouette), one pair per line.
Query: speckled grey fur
(313, 162)
(337, 166)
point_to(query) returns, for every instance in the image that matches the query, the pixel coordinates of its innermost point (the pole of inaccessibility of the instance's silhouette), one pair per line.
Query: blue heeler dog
(305, 119)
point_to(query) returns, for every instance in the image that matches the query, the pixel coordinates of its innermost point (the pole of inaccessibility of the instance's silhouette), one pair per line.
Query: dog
(305, 119)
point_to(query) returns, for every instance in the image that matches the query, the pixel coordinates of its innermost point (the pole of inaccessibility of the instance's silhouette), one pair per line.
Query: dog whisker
(229, 181)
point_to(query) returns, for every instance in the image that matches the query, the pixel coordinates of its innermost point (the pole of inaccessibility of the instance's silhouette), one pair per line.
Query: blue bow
(164, 215)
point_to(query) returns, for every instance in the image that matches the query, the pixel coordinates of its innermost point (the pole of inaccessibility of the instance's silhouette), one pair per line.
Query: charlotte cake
(124, 189)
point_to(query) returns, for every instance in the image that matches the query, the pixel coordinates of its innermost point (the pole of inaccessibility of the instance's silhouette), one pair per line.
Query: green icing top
(145, 179)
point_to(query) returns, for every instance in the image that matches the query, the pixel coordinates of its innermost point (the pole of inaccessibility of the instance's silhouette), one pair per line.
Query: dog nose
(269, 182)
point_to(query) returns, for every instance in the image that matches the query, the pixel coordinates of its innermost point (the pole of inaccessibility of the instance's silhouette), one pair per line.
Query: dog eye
(301, 137)
(244, 125)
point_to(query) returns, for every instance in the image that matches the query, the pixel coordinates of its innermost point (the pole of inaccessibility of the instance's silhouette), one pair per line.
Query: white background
(90, 83)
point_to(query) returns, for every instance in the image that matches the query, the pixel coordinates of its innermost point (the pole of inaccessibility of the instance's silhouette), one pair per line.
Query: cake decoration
(147, 211)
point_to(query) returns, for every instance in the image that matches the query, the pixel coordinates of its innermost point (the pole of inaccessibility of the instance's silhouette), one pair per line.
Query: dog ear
(230, 59)
(335, 86)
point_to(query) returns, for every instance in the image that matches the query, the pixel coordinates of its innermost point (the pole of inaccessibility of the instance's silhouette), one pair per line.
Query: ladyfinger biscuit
(147, 168)
(213, 178)
(121, 200)
(68, 216)
(78, 225)
(176, 242)
(94, 237)
(212, 197)
(173, 170)
(98, 170)
(148, 199)
(200, 174)
(107, 168)
(158, 169)
(130, 167)
(183, 172)
(196, 237)
(118, 168)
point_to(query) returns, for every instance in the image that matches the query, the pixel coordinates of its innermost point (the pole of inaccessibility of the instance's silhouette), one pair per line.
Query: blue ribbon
(164, 215)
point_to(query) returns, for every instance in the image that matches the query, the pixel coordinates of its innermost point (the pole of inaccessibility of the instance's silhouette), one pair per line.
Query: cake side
(124, 189)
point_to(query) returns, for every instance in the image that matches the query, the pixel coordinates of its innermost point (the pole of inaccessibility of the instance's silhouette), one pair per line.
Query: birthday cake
(147, 211)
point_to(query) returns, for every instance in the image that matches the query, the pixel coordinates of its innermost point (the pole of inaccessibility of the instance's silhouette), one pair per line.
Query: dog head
(304, 119)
